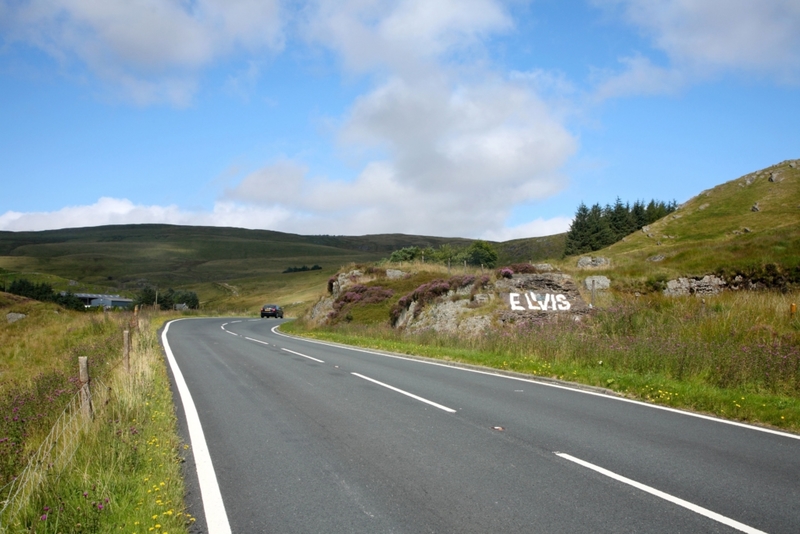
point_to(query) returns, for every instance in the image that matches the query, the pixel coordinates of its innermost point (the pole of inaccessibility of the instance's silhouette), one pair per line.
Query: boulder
(708, 285)
(14, 317)
(394, 274)
(601, 283)
(587, 262)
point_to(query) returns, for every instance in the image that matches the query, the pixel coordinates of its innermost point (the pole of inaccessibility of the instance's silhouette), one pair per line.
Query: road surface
(290, 436)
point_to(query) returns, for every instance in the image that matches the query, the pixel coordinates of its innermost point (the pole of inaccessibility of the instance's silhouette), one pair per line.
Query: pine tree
(577, 242)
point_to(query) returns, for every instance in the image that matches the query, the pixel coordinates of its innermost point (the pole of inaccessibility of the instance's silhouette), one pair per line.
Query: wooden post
(792, 310)
(126, 350)
(86, 394)
(593, 292)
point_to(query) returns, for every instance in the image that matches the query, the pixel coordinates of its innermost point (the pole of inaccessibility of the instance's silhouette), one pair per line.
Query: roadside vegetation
(118, 471)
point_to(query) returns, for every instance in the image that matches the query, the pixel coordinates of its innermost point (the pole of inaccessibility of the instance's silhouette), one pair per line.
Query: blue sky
(467, 118)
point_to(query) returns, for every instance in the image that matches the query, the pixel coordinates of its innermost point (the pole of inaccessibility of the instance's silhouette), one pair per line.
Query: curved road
(308, 437)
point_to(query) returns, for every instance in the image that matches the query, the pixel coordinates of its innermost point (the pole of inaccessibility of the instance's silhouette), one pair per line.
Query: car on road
(271, 310)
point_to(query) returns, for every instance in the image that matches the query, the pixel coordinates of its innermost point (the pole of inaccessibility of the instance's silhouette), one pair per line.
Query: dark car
(271, 310)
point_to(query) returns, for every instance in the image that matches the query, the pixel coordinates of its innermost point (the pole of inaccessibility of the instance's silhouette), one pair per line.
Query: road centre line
(256, 340)
(406, 393)
(303, 355)
(666, 496)
(213, 507)
(548, 384)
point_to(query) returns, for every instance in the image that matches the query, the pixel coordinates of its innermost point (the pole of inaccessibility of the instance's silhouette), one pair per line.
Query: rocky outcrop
(471, 309)
(587, 262)
(708, 285)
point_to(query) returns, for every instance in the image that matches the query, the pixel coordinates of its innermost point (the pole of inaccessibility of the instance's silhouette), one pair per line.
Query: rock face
(472, 309)
(587, 262)
(320, 311)
(708, 285)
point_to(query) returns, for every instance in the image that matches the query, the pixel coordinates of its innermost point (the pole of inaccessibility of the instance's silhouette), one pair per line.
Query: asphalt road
(308, 437)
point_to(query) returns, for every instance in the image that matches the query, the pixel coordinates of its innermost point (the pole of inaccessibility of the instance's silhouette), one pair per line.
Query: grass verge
(125, 472)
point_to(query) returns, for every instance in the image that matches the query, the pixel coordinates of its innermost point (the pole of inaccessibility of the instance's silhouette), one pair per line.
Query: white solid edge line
(406, 393)
(666, 496)
(551, 385)
(214, 508)
(303, 355)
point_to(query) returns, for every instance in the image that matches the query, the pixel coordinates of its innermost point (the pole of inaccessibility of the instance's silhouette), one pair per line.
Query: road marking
(256, 340)
(231, 333)
(406, 393)
(666, 496)
(213, 507)
(547, 384)
(303, 355)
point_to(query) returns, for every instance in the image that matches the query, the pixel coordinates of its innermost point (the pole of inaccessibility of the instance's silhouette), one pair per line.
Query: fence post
(593, 292)
(86, 394)
(126, 350)
(792, 310)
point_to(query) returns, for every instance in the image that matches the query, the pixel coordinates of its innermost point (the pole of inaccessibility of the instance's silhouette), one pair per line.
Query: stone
(776, 177)
(14, 317)
(793, 165)
(704, 206)
(708, 285)
(755, 207)
(394, 274)
(543, 267)
(587, 262)
(657, 258)
(601, 283)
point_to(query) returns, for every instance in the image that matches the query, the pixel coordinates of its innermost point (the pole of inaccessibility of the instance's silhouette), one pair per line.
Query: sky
(488, 119)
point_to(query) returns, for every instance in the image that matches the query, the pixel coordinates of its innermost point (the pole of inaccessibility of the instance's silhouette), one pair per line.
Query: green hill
(741, 226)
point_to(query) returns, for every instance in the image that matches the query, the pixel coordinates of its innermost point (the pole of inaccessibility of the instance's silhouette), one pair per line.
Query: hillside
(740, 226)
(223, 265)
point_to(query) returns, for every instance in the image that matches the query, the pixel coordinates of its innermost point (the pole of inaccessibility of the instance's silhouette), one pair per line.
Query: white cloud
(639, 77)
(402, 35)
(705, 38)
(458, 160)
(151, 50)
(536, 228)
(460, 144)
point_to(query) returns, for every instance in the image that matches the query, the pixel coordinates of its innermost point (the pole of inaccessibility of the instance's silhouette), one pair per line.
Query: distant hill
(167, 255)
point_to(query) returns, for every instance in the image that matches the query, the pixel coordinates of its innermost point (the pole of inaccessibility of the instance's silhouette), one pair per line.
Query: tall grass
(125, 472)
(40, 373)
(736, 355)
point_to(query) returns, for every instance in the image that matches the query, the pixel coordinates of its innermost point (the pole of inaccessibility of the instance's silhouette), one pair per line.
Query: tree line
(479, 253)
(43, 292)
(302, 269)
(167, 300)
(596, 227)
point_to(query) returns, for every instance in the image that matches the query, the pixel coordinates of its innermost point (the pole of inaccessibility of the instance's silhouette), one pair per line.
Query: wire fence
(53, 455)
